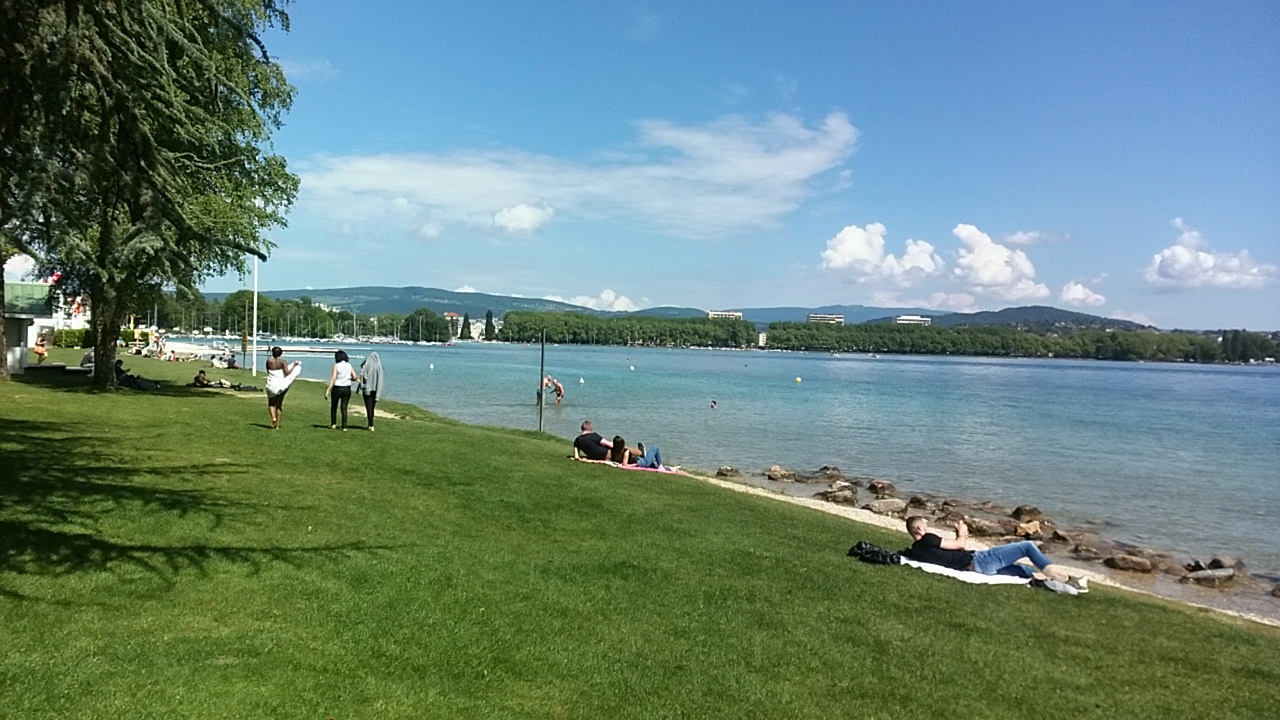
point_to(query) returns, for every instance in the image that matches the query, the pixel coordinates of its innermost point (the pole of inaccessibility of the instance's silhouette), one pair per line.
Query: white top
(345, 375)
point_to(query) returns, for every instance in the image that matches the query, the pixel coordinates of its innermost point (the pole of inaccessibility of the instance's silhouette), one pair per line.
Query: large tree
(146, 145)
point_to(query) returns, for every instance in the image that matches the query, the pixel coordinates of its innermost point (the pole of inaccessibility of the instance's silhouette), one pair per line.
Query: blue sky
(1118, 158)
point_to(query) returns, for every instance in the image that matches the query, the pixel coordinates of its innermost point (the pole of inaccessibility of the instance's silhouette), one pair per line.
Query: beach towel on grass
(967, 575)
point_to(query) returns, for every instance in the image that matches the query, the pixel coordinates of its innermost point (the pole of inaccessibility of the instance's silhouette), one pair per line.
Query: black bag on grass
(874, 554)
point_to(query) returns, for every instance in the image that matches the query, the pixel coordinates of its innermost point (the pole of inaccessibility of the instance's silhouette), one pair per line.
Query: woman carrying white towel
(279, 377)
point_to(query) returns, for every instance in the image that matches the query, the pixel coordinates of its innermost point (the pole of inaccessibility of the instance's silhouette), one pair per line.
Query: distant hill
(404, 300)
(1033, 318)
(853, 314)
(375, 300)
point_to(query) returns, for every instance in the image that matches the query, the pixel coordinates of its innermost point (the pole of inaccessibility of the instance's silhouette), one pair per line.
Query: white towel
(968, 575)
(278, 382)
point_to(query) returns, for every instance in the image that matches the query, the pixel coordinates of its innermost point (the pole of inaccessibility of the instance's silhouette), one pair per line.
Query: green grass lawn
(165, 555)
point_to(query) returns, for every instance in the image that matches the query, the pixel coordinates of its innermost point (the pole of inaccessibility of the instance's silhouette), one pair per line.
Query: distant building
(826, 318)
(455, 323)
(724, 314)
(763, 340)
(913, 320)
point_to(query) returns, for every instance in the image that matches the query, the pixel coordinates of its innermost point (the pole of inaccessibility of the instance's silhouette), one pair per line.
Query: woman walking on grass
(280, 376)
(339, 390)
(371, 384)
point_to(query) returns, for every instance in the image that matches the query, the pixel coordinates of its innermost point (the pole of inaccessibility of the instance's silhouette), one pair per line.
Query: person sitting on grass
(124, 379)
(933, 549)
(589, 445)
(203, 381)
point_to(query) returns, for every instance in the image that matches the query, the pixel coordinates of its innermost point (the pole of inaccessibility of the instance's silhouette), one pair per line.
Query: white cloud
(1190, 263)
(959, 302)
(1137, 317)
(522, 218)
(858, 253)
(466, 289)
(1023, 238)
(702, 181)
(1076, 294)
(19, 268)
(990, 268)
(304, 69)
(608, 300)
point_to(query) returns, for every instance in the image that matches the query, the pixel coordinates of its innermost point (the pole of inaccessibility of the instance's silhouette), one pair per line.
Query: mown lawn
(165, 555)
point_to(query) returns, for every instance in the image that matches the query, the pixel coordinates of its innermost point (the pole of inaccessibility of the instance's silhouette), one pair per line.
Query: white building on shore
(913, 320)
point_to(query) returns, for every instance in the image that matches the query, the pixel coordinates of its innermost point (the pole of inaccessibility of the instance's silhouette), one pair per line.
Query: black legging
(340, 396)
(370, 400)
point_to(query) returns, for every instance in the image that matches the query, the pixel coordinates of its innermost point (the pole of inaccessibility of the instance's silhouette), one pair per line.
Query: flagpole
(255, 316)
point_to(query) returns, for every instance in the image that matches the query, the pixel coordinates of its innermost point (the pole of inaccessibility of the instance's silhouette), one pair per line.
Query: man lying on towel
(1000, 560)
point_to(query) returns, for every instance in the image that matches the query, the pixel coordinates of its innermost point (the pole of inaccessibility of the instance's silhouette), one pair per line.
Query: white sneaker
(1079, 582)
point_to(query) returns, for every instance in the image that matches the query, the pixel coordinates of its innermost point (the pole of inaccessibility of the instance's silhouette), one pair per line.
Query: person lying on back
(928, 547)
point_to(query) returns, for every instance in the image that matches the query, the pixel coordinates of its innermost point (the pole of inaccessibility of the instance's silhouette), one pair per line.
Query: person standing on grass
(279, 377)
(339, 391)
(40, 350)
(372, 384)
(933, 549)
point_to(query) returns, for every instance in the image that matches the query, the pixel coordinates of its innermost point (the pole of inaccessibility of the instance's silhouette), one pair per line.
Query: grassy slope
(163, 554)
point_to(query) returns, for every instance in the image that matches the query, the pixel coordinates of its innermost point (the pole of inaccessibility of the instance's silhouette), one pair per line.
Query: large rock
(1228, 561)
(989, 528)
(1029, 530)
(829, 472)
(1060, 537)
(1086, 552)
(780, 474)
(1130, 563)
(847, 496)
(728, 472)
(1216, 578)
(1028, 513)
(921, 502)
(881, 488)
(886, 506)
(1275, 591)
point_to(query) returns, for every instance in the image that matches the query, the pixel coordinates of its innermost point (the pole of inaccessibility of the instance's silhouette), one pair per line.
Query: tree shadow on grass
(60, 485)
(82, 383)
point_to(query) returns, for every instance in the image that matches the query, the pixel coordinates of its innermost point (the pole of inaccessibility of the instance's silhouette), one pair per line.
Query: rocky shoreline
(1221, 582)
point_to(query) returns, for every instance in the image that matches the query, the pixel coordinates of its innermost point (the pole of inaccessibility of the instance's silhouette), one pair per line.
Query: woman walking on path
(339, 390)
(279, 377)
(372, 384)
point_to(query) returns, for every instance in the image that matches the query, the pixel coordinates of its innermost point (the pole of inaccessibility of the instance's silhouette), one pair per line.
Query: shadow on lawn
(61, 484)
(81, 383)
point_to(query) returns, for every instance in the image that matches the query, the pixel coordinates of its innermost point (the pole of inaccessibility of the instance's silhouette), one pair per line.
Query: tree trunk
(4, 341)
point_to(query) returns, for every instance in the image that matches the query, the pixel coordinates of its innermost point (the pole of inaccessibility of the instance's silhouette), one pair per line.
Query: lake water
(1170, 456)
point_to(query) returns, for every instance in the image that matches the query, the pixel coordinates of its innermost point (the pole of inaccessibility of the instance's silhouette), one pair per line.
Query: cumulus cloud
(990, 268)
(522, 218)
(608, 300)
(858, 254)
(701, 181)
(19, 268)
(1190, 263)
(1137, 317)
(1077, 295)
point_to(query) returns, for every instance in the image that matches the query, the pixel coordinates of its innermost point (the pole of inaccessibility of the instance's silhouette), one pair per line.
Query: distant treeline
(581, 329)
(575, 328)
(1223, 346)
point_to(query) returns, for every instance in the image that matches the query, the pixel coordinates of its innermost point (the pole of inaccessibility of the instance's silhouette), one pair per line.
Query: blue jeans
(652, 458)
(1001, 559)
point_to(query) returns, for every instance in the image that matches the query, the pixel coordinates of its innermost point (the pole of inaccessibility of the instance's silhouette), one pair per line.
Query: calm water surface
(1179, 457)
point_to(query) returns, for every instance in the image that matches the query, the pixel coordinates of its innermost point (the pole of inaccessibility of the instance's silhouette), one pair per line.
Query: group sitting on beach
(590, 446)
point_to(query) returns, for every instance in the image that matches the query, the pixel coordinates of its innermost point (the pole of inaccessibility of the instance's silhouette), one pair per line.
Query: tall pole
(542, 372)
(255, 316)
